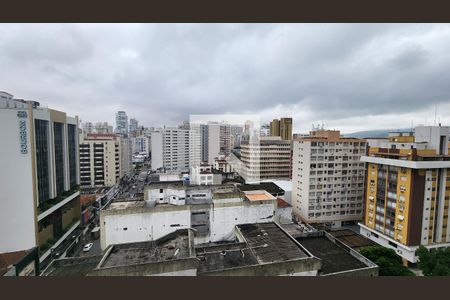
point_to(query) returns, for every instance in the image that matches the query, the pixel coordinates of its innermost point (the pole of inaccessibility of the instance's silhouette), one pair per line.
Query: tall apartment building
(264, 130)
(39, 197)
(99, 127)
(133, 127)
(328, 178)
(236, 132)
(225, 140)
(270, 158)
(121, 122)
(282, 128)
(102, 128)
(274, 127)
(140, 145)
(126, 154)
(170, 149)
(100, 160)
(87, 127)
(408, 191)
(211, 142)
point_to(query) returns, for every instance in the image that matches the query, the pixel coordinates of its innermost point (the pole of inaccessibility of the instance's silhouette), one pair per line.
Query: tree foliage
(388, 261)
(434, 262)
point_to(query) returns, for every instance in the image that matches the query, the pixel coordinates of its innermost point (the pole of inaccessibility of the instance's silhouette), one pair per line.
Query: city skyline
(347, 76)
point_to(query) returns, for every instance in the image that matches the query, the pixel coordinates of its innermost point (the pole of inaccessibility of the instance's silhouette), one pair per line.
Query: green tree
(388, 261)
(434, 262)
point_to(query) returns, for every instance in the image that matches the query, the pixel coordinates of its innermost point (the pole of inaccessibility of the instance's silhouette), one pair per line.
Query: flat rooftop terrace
(352, 239)
(263, 243)
(269, 243)
(170, 247)
(334, 258)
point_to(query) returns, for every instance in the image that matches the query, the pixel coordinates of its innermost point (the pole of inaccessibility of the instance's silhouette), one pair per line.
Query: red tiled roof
(281, 203)
(10, 258)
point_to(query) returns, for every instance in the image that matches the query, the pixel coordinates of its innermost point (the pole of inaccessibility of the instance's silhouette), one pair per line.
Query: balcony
(51, 205)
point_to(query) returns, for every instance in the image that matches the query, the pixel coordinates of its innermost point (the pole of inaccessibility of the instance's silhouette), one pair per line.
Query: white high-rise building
(127, 154)
(87, 127)
(133, 125)
(140, 145)
(171, 149)
(264, 130)
(215, 138)
(195, 145)
(40, 203)
(236, 136)
(121, 122)
(102, 128)
(157, 150)
(328, 178)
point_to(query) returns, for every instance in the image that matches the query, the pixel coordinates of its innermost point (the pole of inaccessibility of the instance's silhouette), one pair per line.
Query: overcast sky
(349, 76)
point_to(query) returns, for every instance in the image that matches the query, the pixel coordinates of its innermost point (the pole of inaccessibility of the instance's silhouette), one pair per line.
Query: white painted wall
(157, 150)
(431, 135)
(17, 220)
(224, 219)
(283, 215)
(141, 227)
(301, 159)
(168, 195)
(144, 225)
(213, 142)
(426, 215)
(407, 253)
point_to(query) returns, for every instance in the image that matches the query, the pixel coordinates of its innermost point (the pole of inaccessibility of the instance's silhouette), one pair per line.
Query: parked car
(87, 247)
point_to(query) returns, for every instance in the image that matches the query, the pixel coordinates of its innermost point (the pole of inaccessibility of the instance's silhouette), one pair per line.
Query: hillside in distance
(380, 133)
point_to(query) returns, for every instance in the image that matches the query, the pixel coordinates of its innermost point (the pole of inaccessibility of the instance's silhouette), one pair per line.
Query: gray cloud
(162, 73)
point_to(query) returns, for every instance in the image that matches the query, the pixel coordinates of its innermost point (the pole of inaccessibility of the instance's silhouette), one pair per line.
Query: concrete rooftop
(334, 258)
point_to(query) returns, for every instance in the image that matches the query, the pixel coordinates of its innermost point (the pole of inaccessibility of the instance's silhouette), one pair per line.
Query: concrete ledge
(58, 205)
(440, 164)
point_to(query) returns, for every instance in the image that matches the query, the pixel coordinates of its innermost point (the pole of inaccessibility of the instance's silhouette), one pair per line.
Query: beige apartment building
(281, 128)
(101, 162)
(270, 158)
(328, 178)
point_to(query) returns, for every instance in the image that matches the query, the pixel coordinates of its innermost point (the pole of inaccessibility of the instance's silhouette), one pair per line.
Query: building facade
(40, 193)
(270, 158)
(134, 125)
(100, 160)
(140, 145)
(102, 128)
(87, 127)
(171, 149)
(408, 191)
(211, 141)
(282, 128)
(328, 178)
(121, 122)
(212, 211)
(264, 130)
(203, 175)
